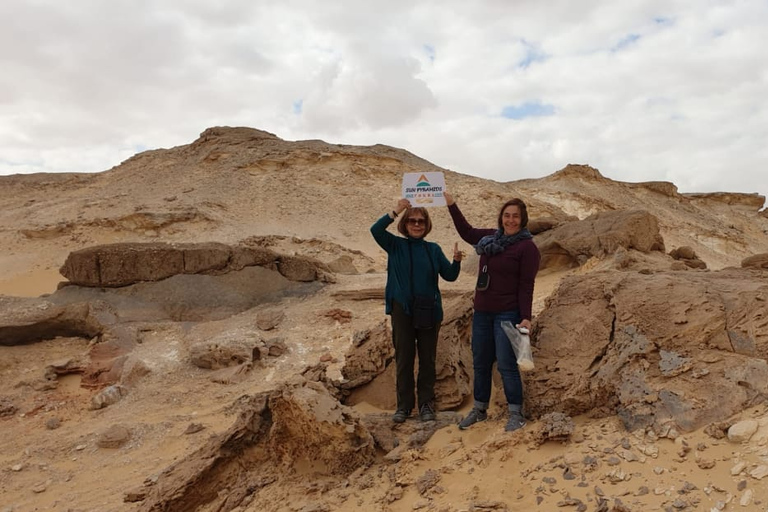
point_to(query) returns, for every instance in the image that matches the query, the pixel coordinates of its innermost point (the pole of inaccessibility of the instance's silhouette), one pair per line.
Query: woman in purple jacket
(509, 261)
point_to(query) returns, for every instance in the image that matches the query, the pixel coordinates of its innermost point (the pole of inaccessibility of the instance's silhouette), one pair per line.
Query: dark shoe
(515, 421)
(475, 416)
(427, 412)
(400, 416)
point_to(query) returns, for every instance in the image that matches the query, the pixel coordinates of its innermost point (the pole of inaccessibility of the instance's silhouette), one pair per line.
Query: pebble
(746, 498)
(738, 468)
(759, 472)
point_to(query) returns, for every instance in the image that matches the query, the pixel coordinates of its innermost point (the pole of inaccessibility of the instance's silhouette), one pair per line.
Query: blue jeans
(490, 344)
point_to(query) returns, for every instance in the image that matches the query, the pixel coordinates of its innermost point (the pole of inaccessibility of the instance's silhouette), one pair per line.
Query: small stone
(741, 485)
(738, 468)
(759, 472)
(194, 428)
(52, 423)
(114, 437)
(17, 467)
(746, 498)
(742, 431)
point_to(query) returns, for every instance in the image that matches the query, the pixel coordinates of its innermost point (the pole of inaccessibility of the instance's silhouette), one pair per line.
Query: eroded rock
(599, 335)
(275, 430)
(573, 243)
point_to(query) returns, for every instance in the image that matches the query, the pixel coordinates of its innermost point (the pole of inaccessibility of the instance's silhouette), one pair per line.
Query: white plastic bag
(521, 344)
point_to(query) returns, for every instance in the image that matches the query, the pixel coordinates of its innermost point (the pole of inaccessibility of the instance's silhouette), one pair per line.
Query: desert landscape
(202, 328)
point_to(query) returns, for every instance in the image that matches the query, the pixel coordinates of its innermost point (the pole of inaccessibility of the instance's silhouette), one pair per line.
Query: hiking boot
(400, 416)
(515, 421)
(427, 412)
(475, 416)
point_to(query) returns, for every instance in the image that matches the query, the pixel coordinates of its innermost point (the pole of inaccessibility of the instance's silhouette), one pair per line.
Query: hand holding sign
(424, 189)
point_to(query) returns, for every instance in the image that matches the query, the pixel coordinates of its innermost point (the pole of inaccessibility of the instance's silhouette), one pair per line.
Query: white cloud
(655, 90)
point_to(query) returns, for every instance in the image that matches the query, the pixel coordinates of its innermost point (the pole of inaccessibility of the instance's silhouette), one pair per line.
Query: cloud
(657, 90)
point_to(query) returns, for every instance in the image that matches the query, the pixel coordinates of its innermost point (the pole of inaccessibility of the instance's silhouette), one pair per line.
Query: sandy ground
(482, 468)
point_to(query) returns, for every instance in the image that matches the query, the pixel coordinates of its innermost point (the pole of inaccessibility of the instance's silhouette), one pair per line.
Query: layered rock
(659, 349)
(276, 431)
(370, 366)
(572, 244)
(116, 265)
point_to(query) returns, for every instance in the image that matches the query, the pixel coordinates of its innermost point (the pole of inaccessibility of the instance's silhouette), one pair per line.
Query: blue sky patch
(528, 109)
(532, 54)
(626, 41)
(430, 51)
(298, 105)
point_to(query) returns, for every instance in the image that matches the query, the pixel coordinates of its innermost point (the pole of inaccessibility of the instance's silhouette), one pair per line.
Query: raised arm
(466, 231)
(384, 238)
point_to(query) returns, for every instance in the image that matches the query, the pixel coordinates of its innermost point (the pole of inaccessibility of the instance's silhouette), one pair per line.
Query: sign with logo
(424, 188)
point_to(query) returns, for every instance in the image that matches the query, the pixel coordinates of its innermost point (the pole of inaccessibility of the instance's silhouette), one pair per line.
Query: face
(416, 225)
(511, 219)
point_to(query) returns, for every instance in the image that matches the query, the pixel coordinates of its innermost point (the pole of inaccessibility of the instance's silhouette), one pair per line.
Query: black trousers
(408, 341)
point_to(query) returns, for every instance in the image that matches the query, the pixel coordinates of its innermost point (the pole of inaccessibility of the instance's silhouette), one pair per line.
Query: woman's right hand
(448, 198)
(401, 205)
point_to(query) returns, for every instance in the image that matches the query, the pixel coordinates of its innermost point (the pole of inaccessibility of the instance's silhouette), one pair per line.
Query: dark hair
(523, 212)
(402, 226)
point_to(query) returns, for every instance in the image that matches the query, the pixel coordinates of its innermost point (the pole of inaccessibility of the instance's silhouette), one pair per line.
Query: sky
(655, 90)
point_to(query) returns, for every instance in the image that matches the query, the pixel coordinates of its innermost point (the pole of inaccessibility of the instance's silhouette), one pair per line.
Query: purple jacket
(512, 272)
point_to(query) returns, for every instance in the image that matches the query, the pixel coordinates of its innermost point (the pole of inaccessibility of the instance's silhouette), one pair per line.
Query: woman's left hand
(525, 323)
(457, 254)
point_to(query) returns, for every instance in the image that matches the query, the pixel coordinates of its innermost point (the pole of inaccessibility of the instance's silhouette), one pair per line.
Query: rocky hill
(202, 328)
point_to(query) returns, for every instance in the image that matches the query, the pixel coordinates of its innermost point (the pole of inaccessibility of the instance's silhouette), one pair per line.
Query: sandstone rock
(114, 437)
(540, 225)
(370, 362)
(224, 351)
(268, 320)
(554, 426)
(598, 335)
(756, 261)
(572, 244)
(296, 423)
(108, 396)
(123, 264)
(688, 256)
(344, 264)
(741, 432)
(7, 407)
(134, 370)
(31, 320)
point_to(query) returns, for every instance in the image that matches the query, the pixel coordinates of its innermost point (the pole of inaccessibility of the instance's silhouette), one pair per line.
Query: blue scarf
(497, 242)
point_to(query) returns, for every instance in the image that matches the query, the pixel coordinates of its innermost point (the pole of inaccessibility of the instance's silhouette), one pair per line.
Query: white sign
(424, 188)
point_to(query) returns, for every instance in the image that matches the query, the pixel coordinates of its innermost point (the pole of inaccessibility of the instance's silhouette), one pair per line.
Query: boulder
(756, 261)
(659, 349)
(369, 369)
(573, 243)
(277, 431)
(688, 256)
(123, 264)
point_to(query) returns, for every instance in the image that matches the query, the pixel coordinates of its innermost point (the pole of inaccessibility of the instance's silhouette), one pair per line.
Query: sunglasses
(417, 222)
